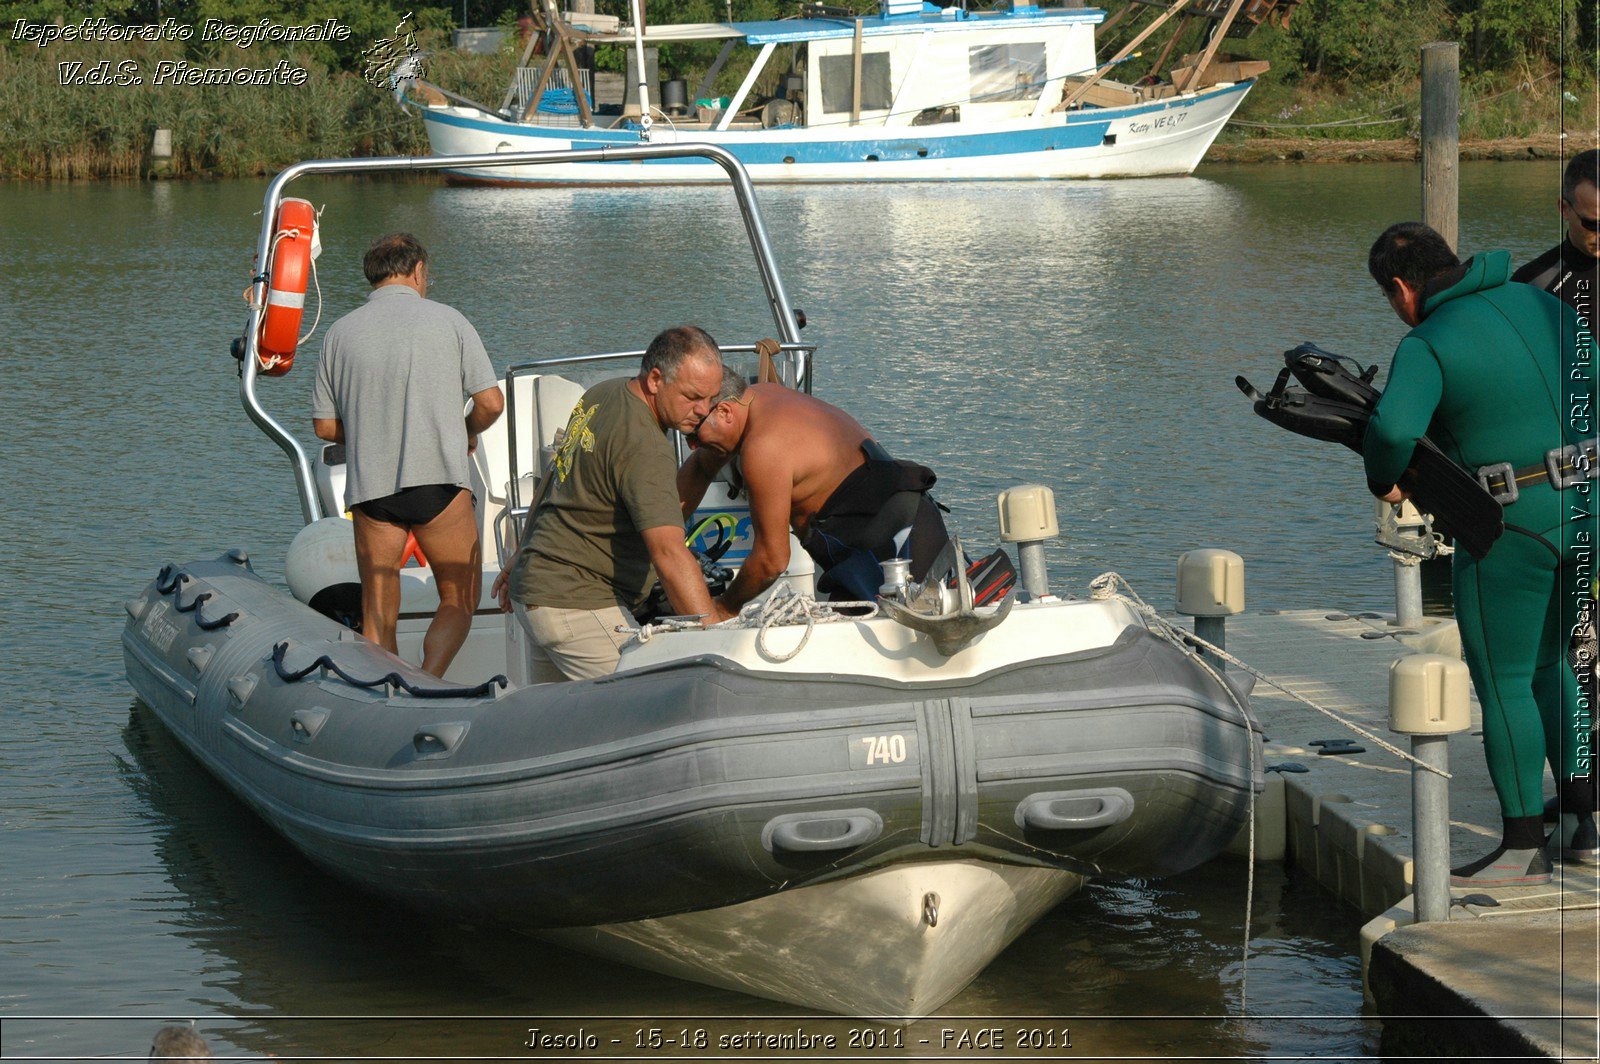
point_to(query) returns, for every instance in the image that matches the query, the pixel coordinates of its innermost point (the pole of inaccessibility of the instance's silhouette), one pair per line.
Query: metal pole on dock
(1028, 518)
(1403, 526)
(1441, 138)
(1211, 589)
(1407, 592)
(855, 79)
(1428, 700)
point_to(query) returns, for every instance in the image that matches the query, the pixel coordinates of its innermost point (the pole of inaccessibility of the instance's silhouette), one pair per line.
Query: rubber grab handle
(436, 739)
(1075, 810)
(845, 829)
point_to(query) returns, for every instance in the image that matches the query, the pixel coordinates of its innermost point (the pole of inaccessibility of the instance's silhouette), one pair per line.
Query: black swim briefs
(411, 506)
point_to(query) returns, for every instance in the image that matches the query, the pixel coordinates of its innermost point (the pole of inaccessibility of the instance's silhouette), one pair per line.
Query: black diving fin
(1304, 414)
(1326, 375)
(1335, 404)
(1460, 506)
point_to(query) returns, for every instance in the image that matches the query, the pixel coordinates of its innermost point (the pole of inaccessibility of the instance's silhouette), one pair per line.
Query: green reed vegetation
(1350, 70)
(1342, 70)
(62, 131)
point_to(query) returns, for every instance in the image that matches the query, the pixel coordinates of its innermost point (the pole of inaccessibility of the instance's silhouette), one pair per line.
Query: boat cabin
(918, 64)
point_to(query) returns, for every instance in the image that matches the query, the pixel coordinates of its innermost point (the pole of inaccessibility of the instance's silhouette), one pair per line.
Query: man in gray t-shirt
(390, 387)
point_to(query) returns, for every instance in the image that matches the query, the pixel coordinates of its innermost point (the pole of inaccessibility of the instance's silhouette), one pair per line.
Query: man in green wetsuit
(1500, 376)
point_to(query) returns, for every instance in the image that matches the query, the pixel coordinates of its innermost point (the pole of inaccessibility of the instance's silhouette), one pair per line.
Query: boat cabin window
(838, 73)
(1001, 72)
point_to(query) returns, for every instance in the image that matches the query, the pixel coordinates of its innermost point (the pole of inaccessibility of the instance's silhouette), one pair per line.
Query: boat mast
(644, 88)
(1127, 49)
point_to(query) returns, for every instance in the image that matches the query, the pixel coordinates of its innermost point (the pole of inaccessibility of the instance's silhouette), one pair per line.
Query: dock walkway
(1524, 961)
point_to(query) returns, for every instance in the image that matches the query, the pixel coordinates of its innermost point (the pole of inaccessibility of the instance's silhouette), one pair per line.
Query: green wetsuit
(1502, 372)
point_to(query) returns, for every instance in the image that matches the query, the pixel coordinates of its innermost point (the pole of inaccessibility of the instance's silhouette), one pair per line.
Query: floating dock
(1514, 971)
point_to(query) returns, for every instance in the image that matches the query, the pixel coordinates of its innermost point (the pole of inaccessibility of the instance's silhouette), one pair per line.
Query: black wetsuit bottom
(870, 507)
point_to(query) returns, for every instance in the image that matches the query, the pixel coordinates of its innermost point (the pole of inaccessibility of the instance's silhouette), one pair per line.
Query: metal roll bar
(743, 191)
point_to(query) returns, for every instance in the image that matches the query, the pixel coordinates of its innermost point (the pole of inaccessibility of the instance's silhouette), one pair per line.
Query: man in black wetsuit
(1571, 269)
(810, 466)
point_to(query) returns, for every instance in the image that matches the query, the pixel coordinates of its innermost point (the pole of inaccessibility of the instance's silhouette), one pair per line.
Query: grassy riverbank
(1261, 149)
(51, 130)
(1327, 98)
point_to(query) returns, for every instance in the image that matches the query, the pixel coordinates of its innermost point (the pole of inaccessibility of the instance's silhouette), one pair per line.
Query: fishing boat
(916, 92)
(853, 810)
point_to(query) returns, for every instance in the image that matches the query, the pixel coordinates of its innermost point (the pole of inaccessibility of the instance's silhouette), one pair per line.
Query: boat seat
(542, 405)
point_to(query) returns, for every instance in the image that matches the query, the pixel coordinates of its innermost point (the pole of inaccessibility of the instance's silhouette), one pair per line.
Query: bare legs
(378, 548)
(450, 542)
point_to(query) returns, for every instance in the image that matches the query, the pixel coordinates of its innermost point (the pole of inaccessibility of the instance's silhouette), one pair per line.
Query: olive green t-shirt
(615, 476)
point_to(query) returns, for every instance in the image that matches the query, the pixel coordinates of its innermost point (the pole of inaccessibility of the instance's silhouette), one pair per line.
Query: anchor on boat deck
(952, 629)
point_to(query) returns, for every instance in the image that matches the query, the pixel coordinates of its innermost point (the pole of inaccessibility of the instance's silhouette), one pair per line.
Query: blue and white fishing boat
(914, 93)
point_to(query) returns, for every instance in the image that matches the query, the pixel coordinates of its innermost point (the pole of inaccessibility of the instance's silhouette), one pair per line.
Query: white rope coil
(785, 607)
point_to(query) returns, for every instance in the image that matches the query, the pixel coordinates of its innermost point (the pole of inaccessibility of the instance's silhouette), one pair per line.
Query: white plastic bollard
(1429, 700)
(161, 153)
(1211, 589)
(1028, 518)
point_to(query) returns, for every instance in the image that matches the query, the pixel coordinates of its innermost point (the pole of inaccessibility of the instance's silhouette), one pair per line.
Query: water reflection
(282, 939)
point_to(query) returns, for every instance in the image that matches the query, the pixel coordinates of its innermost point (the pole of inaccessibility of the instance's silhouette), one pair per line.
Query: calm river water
(1083, 335)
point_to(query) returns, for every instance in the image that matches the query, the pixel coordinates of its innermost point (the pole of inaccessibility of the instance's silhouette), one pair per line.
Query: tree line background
(1344, 69)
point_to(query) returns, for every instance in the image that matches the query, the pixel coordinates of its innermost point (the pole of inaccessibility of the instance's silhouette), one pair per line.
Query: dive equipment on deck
(1335, 404)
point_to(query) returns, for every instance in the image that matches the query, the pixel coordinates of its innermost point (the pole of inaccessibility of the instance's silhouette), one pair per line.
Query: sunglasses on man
(1591, 224)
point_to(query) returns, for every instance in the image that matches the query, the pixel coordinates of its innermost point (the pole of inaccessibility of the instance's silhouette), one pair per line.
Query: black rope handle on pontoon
(199, 618)
(173, 574)
(280, 650)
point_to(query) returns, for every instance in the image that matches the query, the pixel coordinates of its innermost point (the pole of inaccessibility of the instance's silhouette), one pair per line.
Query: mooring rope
(1104, 587)
(786, 606)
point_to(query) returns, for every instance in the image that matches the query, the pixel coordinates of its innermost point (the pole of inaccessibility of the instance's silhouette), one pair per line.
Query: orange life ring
(289, 268)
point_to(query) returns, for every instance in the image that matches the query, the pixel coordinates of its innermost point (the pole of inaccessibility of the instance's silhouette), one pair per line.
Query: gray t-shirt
(396, 371)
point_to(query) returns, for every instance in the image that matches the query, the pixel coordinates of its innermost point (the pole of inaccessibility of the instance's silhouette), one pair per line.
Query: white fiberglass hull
(895, 943)
(1163, 137)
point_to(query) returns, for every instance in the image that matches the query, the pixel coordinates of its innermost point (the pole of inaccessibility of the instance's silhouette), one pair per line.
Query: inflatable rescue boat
(850, 810)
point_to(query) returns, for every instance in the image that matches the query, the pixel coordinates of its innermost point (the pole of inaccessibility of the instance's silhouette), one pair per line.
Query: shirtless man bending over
(809, 465)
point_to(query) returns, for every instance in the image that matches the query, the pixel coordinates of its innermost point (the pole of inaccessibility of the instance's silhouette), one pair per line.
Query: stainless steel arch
(743, 191)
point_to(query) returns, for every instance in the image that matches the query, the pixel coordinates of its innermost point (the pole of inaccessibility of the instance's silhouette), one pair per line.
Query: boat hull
(1161, 137)
(700, 800)
(896, 943)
